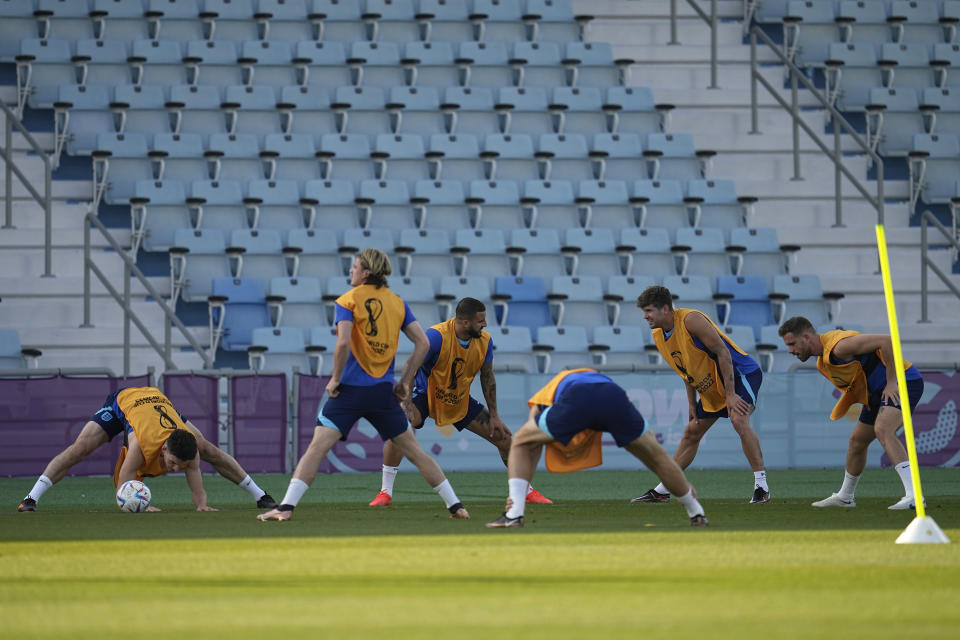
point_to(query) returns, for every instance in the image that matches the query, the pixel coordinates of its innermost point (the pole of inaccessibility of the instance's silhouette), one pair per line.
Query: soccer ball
(133, 496)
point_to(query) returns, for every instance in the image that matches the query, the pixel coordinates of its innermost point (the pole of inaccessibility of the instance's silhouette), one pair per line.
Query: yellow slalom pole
(901, 377)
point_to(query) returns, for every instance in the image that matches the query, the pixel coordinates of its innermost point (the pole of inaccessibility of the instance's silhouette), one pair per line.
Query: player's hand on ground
(333, 388)
(206, 508)
(149, 509)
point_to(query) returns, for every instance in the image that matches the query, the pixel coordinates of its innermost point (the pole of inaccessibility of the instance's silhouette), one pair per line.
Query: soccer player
(156, 440)
(459, 349)
(714, 368)
(369, 320)
(578, 403)
(862, 367)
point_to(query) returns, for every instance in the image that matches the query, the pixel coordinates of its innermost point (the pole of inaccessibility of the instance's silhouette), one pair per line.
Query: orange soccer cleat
(383, 499)
(535, 497)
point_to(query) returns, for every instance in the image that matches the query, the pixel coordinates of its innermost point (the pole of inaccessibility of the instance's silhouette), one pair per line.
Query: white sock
(661, 489)
(518, 495)
(691, 504)
(43, 483)
(849, 486)
(295, 491)
(446, 492)
(903, 470)
(248, 485)
(760, 480)
(389, 477)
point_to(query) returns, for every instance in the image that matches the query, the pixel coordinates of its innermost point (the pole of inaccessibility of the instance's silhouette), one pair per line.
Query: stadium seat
(563, 156)
(765, 11)
(323, 63)
(646, 251)
(279, 349)
(452, 289)
(745, 301)
(376, 64)
(320, 349)
(553, 21)
(621, 297)
(416, 110)
(118, 162)
(430, 64)
(235, 307)
(284, 20)
(315, 254)
(513, 349)
(306, 110)
(801, 296)
(217, 204)
(498, 21)
(591, 64)
(605, 203)
(673, 157)
(81, 113)
(660, 203)
(338, 21)
(424, 252)
(521, 301)
(361, 110)
(230, 20)
(213, 62)
(140, 109)
(102, 62)
(863, 21)
(809, 28)
(941, 109)
(757, 252)
(536, 252)
(196, 109)
(197, 257)
(291, 156)
(578, 110)
(480, 252)
(43, 65)
(296, 302)
(178, 20)
(578, 300)
(893, 117)
(744, 337)
(618, 156)
(257, 253)
(484, 64)
(13, 355)
(235, 157)
(773, 354)
(179, 156)
(510, 156)
(252, 109)
(348, 155)
(445, 20)
(907, 64)
(470, 110)
(523, 110)
(558, 348)
(550, 204)
(16, 22)
(275, 204)
(419, 294)
(495, 204)
(158, 62)
(693, 292)
(157, 210)
(400, 157)
(385, 204)
(631, 109)
(538, 64)
(622, 346)
(702, 251)
(356, 240)
(440, 204)
(592, 252)
(267, 63)
(455, 156)
(330, 204)
(851, 71)
(67, 20)
(915, 22)
(934, 163)
(714, 203)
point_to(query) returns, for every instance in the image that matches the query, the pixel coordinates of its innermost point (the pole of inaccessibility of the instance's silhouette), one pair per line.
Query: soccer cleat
(383, 499)
(503, 522)
(699, 520)
(760, 495)
(835, 501)
(460, 514)
(266, 501)
(652, 496)
(29, 505)
(275, 514)
(535, 497)
(904, 503)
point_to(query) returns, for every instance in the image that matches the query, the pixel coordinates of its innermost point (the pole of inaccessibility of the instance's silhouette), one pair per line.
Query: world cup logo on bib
(374, 309)
(166, 422)
(456, 369)
(678, 361)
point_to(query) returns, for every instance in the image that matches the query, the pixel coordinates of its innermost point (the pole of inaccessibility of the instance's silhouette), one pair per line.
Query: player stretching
(459, 349)
(369, 319)
(861, 366)
(715, 368)
(156, 439)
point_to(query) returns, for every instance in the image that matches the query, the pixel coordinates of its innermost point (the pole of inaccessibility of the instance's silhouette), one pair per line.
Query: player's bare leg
(323, 440)
(431, 472)
(860, 439)
(889, 420)
(655, 457)
(90, 438)
(525, 451)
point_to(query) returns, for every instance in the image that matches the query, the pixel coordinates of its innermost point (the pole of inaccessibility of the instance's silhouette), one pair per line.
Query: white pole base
(923, 531)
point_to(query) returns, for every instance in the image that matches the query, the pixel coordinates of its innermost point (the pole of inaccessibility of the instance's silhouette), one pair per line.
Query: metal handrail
(711, 21)
(130, 268)
(836, 155)
(927, 263)
(44, 201)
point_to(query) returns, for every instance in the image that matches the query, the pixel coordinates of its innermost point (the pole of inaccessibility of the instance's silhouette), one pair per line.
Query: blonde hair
(378, 264)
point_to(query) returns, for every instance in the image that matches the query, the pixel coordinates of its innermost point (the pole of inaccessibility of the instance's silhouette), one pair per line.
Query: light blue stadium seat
(578, 110)
(916, 22)
(623, 345)
(252, 109)
(81, 113)
(469, 110)
(605, 203)
(385, 204)
(851, 71)
(279, 349)
(808, 30)
(673, 157)
(578, 300)
(157, 209)
(118, 162)
(400, 157)
(558, 348)
(120, 19)
(320, 348)
(330, 204)
(941, 108)
(801, 296)
(339, 21)
(521, 302)
(618, 156)
(702, 251)
(480, 252)
(744, 337)
(430, 64)
(633, 109)
(934, 163)
(907, 65)
(511, 156)
(213, 62)
(715, 203)
(296, 302)
(592, 252)
(235, 157)
(140, 108)
(376, 64)
(43, 65)
(275, 204)
(591, 64)
(440, 204)
(757, 252)
(67, 20)
(318, 255)
(16, 22)
(13, 355)
(419, 294)
(646, 250)
(745, 301)
(660, 203)
(217, 204)
(773, 353)
(230, 20)
(946, 62)
(284, 20)
(563, 156)
(446, 20)
(391, 21)
(452, 289)
(361, 110)
(693, 292)
(267, 63)
(416, 110)
(485, 64)
(495, 204)
(197, 257)
(306, 109)
(236, 307)
(498, 21)
(893, 117)
(179, 156)
(322, 63)
(196, 109)
(157, 62)
(550, 204)
(523, 110)
(257, 253)
(424, 252)
(951, 15)
(291, 156)
(356, 240)
(102, 62)
(455, 156)
(538, 64)
(536, 252)
(621, 298)
(765, 11)
(348, 155)
(513, 349)
(553, 21)
(863, 21)
(175, 20)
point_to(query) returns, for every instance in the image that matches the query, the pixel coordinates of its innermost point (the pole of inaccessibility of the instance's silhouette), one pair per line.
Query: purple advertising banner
(42, 416)
(195, 398)
(260, 422)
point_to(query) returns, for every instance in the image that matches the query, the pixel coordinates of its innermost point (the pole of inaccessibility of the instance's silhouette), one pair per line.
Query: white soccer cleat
(904, 503)
(834, 501)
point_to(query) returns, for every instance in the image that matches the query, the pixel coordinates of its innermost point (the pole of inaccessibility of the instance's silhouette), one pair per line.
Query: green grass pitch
(590, 566)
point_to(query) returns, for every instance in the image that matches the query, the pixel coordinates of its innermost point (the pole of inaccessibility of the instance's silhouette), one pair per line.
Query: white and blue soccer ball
(133, 496)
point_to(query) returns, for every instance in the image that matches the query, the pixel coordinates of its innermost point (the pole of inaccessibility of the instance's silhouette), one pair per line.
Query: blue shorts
(601, 406)
(108, 417)
(869, 413)
(747, 387)
(473, 410)
(375, 403)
